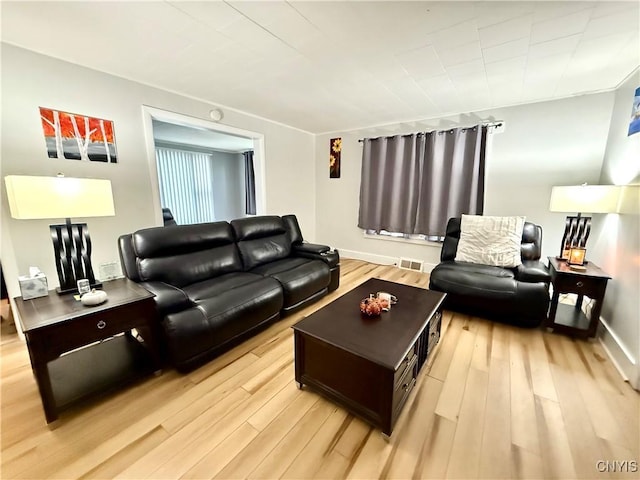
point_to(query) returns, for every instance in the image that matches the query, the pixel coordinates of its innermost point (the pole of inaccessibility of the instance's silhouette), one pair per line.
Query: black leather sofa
(516, 295)
(216, 282)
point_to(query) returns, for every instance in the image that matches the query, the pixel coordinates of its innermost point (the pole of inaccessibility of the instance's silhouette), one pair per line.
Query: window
(412, 184)
(186, 185)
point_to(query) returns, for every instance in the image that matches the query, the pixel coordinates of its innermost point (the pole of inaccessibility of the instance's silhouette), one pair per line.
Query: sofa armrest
(311, 248)
(532, 271)
(169, 299)
(328, 256)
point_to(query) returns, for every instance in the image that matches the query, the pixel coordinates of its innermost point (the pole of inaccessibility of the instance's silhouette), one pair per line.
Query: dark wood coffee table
(369, 365)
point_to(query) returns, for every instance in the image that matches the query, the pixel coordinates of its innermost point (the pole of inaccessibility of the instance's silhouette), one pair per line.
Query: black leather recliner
(167, 217)
(215, 282)
(516, 295)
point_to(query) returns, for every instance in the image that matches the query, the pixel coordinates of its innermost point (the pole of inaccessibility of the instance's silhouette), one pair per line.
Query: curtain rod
(490, 124)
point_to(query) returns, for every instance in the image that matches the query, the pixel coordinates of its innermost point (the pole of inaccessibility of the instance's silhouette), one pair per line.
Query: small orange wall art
(335, 149)
(78, 137)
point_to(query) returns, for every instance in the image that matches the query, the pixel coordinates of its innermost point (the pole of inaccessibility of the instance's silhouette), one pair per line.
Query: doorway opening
(203, 171)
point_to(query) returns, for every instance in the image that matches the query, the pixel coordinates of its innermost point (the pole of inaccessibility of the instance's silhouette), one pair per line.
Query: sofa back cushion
(261, 239)
(184, 254)
(530, 246)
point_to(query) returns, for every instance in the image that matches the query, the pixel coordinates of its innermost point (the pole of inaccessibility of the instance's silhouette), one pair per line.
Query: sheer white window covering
(186, 184)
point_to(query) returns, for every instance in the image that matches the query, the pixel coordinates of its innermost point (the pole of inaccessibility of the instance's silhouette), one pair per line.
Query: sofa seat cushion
(222, 317)
(215, 286)
(462, 278)
(300, 277)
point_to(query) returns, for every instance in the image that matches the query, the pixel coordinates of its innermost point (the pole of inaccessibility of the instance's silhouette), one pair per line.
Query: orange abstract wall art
(78, 137)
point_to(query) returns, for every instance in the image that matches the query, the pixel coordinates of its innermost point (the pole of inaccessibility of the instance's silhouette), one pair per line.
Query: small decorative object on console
(371, 306)
(386, 300)
(94, 297)
(576, 256)
(374, 305)
(84, 286)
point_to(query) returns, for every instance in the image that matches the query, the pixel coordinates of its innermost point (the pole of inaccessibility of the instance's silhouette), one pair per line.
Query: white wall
(30, 80)
(616, 246)
(544, 144)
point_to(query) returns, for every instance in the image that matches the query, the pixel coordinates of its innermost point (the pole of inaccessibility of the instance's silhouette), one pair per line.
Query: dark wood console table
(591, 283)
(57, 326)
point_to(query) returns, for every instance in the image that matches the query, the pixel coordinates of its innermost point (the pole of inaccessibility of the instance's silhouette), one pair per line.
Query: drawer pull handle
(405, 387)
(101, 324)
(579, 284)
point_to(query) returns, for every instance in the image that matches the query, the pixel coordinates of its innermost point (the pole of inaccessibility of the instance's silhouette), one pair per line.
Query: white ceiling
(331, 66)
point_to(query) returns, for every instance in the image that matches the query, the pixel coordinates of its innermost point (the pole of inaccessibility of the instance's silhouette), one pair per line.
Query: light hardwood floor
(494, 401)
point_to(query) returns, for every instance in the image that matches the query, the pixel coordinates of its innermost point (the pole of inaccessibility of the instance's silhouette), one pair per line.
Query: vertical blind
(186, 184)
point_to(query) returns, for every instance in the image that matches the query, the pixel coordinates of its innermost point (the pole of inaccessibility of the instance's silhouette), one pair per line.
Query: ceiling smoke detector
(216, 115)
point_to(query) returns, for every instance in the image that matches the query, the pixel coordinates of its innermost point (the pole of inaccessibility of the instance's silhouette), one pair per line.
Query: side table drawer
(581, 286)
(81, 331)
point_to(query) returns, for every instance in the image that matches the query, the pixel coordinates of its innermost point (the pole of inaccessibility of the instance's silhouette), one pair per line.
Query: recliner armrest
(169, 299)
(328, 256)
(311, 248)
(532, 271)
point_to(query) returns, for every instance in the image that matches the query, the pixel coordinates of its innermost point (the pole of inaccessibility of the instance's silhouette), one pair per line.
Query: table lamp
(581, 198)
(62, 197)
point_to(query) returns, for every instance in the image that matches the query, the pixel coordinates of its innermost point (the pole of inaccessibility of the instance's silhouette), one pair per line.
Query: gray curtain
(390, 182)
(249, 183)
(414, 183)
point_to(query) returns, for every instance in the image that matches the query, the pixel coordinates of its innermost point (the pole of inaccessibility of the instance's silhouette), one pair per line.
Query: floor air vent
(409, 264)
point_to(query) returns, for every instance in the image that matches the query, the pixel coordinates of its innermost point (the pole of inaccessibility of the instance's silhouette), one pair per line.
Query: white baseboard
(618, 353)
(379, 259)
(368, 257)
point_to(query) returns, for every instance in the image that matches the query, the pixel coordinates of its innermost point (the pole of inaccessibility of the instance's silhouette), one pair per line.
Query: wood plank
(524, 430)
(541, 379)
(555, 450)
(583, 442)
(285, 452)
(218, 458)
(525, 465)
(310, 459)
(464, 461)
(436, 449)
(604, 421)
(247, 460)
(454, 384)
(128, 454)
(496, 432)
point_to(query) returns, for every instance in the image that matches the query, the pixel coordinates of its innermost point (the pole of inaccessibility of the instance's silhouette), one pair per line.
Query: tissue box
(33, 287)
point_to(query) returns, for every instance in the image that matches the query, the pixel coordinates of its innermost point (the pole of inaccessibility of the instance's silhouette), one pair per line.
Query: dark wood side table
(57, 326)
(591, 283)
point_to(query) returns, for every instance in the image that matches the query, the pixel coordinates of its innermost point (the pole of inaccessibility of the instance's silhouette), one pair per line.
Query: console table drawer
(80, 331)
(591, 288)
